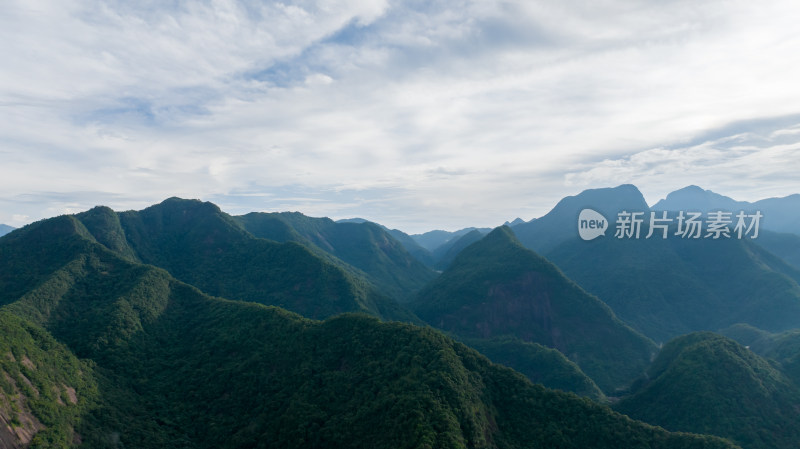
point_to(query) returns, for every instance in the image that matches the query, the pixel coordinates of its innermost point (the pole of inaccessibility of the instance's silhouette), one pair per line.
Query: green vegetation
(782, 348)
(703, 382)
(366, 246)
(497, 288)
(44, 388)
(199, 244)
(156, 363)
(666, 288)
(447, 252)
(784, 245)
(538, 363)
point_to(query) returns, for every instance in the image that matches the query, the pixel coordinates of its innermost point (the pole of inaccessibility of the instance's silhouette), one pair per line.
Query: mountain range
(182, 326)
(496, 287)
(105, 343)
(780, 214)
(668, 287)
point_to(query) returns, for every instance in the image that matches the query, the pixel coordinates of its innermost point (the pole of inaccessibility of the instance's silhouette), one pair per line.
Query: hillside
(704, 382)
(201, 245)
(364, 245)
(668, 287)
(447, 252)
(495, 287)
(538, 363)
(784, 245)
(783, 347)
(140, 359)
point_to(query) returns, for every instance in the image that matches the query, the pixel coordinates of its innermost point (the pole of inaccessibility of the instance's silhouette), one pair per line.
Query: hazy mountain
(780, 214)
(99, 350)
(5, 229)
(561, 223)
(704, 382)
(696, 199)
(432, 240)
(782, 244)
(668, 287)
(496, 287)
(514, 223)
(364, 245)
(201, 245)
(447, 252)
(411, 245)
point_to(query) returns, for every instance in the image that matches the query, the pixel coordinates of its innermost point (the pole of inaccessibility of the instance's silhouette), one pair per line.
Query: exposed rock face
(17, 425)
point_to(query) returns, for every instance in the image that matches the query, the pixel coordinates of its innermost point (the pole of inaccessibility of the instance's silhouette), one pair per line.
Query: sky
(418, 115)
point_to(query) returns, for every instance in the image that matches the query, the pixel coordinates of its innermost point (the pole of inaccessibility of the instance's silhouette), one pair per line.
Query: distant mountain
(668, 287)
(784, 245)
(514, 223)
(201, 245)
(5, 229)
(694, 198)
(560, 224)
(496, 287)
(99, 350)
(413, 248)
(432, 240)
(704, 382)
(364, 245)
(447, 252)
(780, 214)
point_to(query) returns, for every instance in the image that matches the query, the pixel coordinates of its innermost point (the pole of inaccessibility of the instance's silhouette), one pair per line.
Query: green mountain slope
(447, 252)
(496, 287)
(784, 245)
(783, 347)
(154, 362)
(366, 246)
(704, 382)
(201, 245)
(665, 288)
(538, 363)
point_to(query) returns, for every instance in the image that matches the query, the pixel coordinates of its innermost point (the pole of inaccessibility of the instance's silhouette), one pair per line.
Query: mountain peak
(559, 225)
(696, 198)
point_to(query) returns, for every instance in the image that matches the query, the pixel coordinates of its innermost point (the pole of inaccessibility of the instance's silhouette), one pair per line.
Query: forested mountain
(447, 252)
(366, 246)
(496, 287)
(784, 245)
(100, 350)
(704, 382)
(201, 245)
(668, 287)
(783, 347)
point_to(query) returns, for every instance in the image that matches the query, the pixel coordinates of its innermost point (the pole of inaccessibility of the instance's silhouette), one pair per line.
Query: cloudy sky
(416, 114)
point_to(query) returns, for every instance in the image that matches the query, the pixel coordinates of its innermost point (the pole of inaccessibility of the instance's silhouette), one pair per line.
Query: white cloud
(454, 112)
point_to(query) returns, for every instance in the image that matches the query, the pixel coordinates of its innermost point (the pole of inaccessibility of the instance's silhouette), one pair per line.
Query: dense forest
(182, 326)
